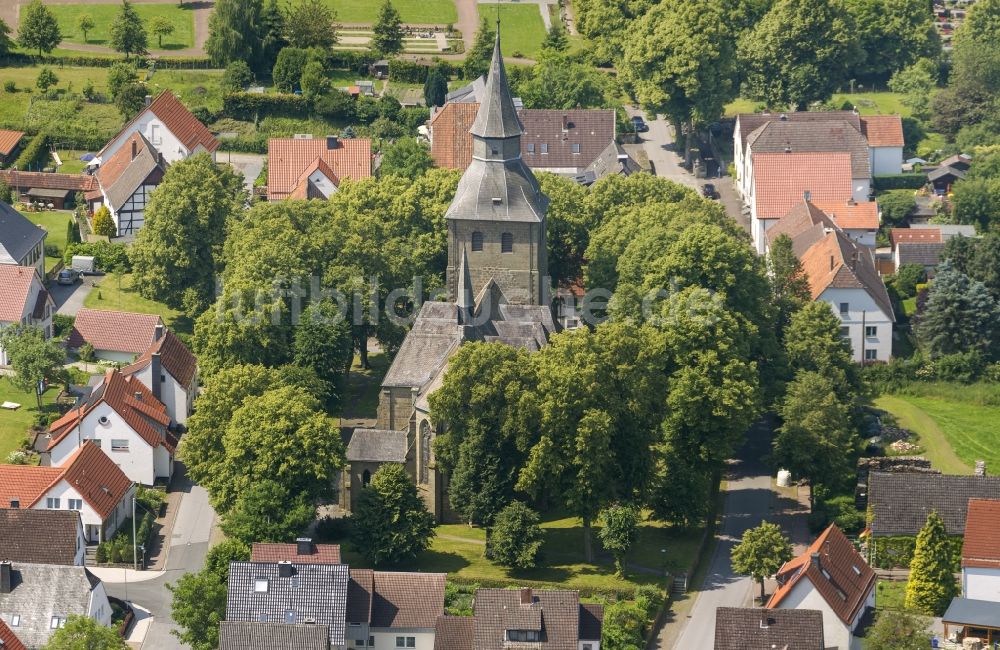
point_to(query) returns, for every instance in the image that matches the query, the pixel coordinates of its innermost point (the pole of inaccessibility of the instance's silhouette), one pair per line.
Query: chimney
(806, 195)
(6, 579)
(980, 468)
(156, 372)
(285, 569)
(158, 332)
(331, 142)
(851, 201)
(304, 546)
(149, 99)
(135, 149)
(527, 596)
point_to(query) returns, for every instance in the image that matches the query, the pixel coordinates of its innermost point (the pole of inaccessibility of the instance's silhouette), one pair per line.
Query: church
(498, 290)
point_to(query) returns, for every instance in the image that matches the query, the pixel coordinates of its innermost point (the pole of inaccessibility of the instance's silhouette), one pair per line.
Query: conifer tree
(128, 34)
(932, 584)
(388, 38)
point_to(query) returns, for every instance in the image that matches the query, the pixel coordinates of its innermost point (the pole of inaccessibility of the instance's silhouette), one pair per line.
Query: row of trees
(39, 29)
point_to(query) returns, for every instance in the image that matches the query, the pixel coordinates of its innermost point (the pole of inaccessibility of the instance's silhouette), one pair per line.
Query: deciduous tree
(267, 512)
(198, 606)
(128, 34)
(233, 31)
(761, 552)
(85, 633)
(391, 522)
(33, 358)
(560, 82)
(219, 556)
(813, 342)
(46, 79)
(789, 283)
(131, 99)
(314, 82)
(85, 23)
(898, 629)
(120, 74)
(892, 35)
(161, 26)
(556, 38)
(932, 584)
(406, 157)
(311, 23)
(38, 29)
(619, 531)
(387, 38)
(516, 541)
(322, 342)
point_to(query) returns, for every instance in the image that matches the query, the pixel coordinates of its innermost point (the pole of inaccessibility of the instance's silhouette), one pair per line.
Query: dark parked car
(639, 124)
(708, 191)
(68, 276)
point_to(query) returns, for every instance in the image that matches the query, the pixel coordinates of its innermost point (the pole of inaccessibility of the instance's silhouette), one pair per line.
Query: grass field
(872, 103)
(431, 12)
(954, 430)
(521, 26)
(71, 161)
(110, 293)
(890, 594)
(105, 14)
(14, 425)
(195, 88)
(55, 223)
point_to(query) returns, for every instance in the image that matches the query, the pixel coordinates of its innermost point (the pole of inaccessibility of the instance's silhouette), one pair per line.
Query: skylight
(260, 585)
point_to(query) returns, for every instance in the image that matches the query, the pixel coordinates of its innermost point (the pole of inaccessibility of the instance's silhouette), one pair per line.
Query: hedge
(351, 60)
(244, 144)
(899, 182)
(14, 59)
(250, 105)
(35, 155)
(408, 71)
(107, 256)
(892, 552)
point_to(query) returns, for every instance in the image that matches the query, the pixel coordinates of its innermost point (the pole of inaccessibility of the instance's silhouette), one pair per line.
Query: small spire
(497, 116)
(463, 294)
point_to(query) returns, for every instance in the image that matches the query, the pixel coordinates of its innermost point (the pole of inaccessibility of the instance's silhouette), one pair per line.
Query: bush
(104, 225)
(410, 72)
(101, 554)
(88, 91)
(35, 155)
(251, 105)
(894, 552)
(62, 324)
(625, 626)
(87, 352)
(107, 256)
(288, 68)
(249, 144)
(516, 538)
(839, 510)
(149, 498)
(18, 457)
(964, 367)
(896, 206)
(9, 86)
(458, 598)
(332, 529)
(237, 76)
(335, 105)
(899, 182)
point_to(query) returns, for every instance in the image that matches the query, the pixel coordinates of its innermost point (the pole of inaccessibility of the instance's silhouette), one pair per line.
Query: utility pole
(135, 547)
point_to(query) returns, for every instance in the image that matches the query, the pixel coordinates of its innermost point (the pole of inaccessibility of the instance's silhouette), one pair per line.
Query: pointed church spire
(497, 117)
(463, 294)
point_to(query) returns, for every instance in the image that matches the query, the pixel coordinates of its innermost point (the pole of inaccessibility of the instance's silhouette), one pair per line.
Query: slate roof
(378, 446)
(836, 261)
(18, 236)
(43, 180)
(750, 122)
(410, 600)
(882, 130)
(245, 635)
(22, 528)
(15, 291)
(454, 633)
(782, 179)
(175, 358)
(315, 593)
(909, 235)
(123, 173)
(556, 614)
(41, 591)
(895, 511)
(980, 547)
(739, 628)
(511, 182)
(497, 116)
(7, 639)
(974, 613)
(923, 253)
(836, 571)
(118, 331)
(321, 553)
(288, 158)
(9, 141)
(829, 136)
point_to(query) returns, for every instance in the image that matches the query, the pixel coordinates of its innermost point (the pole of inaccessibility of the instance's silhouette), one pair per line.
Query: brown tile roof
(360, 588)
(454, 633)
(837, 261)
(22, 528)
(175, 358)
(750, 122)
(42, 180)
(9, 641)
(981, 549)
(121, 174)
(407, 599)
(883, 130)
(9, 140)
(557, 613)
(591, 621)
(928, 235)
(451, 144)
(288, 158)
(814, 137)
(321, 553)
(837, 572)
(805, 224)
(304, 188)
(746, 628)
(852, 215)
(145, 415)
(781, 180)
(120, 331)
(178, 119)
(254, 635)
(923, 253)
(15, 291)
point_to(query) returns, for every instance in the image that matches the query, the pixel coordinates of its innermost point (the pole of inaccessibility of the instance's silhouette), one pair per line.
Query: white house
(168, 126)
(23, 301)
(88, 483)
(126, 180)
(119, 336)
(170, 372)
(884, 134)
(833, 578)
(21, 242)
(123, 419)
(981, 551)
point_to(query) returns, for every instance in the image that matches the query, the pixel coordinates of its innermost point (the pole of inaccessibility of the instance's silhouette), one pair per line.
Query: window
(262, 617)
(406, 642)
(545, 147)
(371, 642)
(75, 504)
(289, 616)
(295, 582)
(15, 620)
(845, 307)
(576, 147)
(845, 332)
(57, 621)
(871, 355)
(96, 441)
(477, 241)
(523, 635)
(366, 478)
(118, 444)
(260, 585)
(494, 151)
(531, 147)
(506, 243)
(871, 330)
(588, 646)
(52, 504)
(154, 134)
(359, 642)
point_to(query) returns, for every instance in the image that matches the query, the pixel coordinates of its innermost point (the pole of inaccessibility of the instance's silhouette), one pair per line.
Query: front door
(92, 533)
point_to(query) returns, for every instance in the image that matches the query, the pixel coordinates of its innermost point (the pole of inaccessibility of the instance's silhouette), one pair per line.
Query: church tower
(496, 224)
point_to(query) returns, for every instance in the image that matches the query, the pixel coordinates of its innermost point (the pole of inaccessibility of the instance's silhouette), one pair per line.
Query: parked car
(708, 191)
(68, 276)
(639, 124)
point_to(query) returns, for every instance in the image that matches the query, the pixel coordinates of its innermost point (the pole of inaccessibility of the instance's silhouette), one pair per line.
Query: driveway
(69, 298)
(248, 164)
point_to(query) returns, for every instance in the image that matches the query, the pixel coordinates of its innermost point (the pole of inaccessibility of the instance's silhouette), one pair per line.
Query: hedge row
(408, 71)
(893, 552)
(35, 154)
(244, 144)
(107, 256)
(899, 182)
(250, 105)
(180, 62)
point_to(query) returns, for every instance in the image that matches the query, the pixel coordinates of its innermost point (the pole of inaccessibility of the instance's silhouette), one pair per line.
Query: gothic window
(366, 478)
(477, 241)
(425, 451)
(506, 243)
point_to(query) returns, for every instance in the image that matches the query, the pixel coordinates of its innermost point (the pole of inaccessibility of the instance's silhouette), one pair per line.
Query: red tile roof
(15, 291)
(9, 641)
(304, 189)
(838, 573)
(45, 181)
(451, 144)
(852, 215)
(288, 158)
(9, 140)
(882, 130)
(915, 235)
(175, 358)
(119, 331)
(182, 123)
(781, 180)
(981, 548)
(119, 392)
(322, 553)
(837, 261)
(25, 484)
(100, 482)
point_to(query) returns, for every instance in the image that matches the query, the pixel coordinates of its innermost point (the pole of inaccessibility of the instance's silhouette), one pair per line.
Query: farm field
(521, 27)
(429, 12)
(104, 15)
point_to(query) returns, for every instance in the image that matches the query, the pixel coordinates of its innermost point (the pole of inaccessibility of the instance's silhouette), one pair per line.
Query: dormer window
(545, 147)
(524, 635)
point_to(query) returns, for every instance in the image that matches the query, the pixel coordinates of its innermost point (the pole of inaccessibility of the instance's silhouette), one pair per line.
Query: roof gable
(16, 297)
(883, 130)
(22, 528)
(980, 547)
(96, 478)
(7, 638)
(827, 136)
(118, 331)
(739, 628)
(18, 236)
(175, 358)
(781, 180)
(290, 158)
(43, 590)
(127, 169)
(838, 262)
(896, 512)
(319, 553)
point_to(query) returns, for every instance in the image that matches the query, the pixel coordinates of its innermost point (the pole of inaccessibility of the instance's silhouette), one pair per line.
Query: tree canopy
(85, 633)
(391, 522)
(128, 33)
(932, 584)
(388, 31)
(761, 552)
(311, 23)
(38, 29)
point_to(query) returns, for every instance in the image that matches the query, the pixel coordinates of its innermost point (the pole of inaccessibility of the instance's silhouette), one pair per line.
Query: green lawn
(71, 161)
(954, 432)
(196, 88)
(107, 295)
(436, 12)
(14, 106)
(872, 103)
(363, 386)
(15, 425)
(104, 15)
(55, 223)
(521, 26)
(890, 594)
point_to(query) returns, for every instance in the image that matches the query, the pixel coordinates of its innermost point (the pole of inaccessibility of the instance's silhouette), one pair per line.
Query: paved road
(69, 298)
(188, 547)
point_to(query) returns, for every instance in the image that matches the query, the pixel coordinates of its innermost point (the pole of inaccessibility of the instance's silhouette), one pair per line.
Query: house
(21, 528)
(303, 551)
(524, 618)
(290, 593)
(833, 578)
(170, 372)
(7, 639)
(981, 551)
(121, 417)
(306, 168)
(21, 242)
(115, 335)
(895, 511)
(859, 221)
(613, 161)
(88, 483)
(58, 189)
(10, 141)
(884, 134)
(925, 254)
(36, 599)
(24, 301)
(246, 635)
(947, 230)
(744, 628)
(126, 179)
(914, 235)
(388, 609)
(168, 126)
